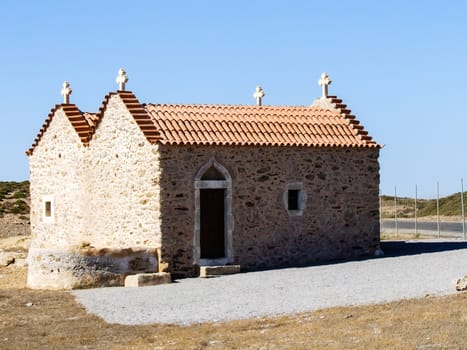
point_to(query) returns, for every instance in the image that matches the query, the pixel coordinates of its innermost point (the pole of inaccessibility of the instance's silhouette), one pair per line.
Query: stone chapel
(174, 187)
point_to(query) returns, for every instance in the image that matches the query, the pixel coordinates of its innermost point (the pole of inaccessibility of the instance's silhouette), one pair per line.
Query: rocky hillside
(14, 209)
(448, 206)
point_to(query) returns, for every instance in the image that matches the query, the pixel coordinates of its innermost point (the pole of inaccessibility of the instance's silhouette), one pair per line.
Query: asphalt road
(447, 228)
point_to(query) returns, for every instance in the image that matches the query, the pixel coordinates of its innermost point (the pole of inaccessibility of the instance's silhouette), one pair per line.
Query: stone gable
(54, 170)
(122, 181)
(105, 200)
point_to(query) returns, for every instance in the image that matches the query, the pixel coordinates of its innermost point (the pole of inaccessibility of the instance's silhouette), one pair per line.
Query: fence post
(462, 207)
(380, 213)
(395, 210)
(415, 214)
(437, 208)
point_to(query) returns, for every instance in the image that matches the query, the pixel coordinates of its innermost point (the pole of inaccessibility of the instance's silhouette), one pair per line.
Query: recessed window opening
(293, 200)
(48, 209)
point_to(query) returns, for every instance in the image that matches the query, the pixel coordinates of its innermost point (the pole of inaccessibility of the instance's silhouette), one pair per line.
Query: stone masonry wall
(55, 171)
(122, 184)
(340, 220)
(106, 201)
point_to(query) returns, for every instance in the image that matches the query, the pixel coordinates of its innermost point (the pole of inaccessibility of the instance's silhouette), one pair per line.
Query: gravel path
(409, 270)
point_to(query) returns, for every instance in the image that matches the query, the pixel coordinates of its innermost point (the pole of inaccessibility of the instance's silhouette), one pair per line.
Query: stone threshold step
(147, 279)
(213, 271)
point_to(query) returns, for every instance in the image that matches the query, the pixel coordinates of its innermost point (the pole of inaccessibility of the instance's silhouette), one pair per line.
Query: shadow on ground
(391, 249)
(402, 248)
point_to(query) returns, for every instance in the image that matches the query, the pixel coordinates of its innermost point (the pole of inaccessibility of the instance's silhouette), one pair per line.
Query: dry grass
(448, 206)
(403, 236)
(56, 321)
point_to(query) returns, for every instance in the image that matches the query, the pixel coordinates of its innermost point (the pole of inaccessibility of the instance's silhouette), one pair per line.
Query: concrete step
(147, 279)
(213, 271)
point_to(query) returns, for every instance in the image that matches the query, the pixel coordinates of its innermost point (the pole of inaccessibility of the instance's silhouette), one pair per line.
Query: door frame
(225, 184)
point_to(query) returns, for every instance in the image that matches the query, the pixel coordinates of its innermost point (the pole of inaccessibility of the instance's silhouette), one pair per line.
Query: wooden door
(212, 223)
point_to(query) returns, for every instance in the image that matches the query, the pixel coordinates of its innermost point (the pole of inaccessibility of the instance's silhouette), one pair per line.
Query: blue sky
(401, 66)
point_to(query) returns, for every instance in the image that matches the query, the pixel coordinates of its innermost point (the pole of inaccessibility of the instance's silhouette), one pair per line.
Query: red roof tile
(258, 125)
(85, 123)
(228, 124)
(77, 119)
(136, 110)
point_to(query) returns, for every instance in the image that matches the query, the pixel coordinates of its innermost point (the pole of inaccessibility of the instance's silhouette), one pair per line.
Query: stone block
(212, 271)
(461, 284)
(147, 279)
(6, 259)
(163, 266)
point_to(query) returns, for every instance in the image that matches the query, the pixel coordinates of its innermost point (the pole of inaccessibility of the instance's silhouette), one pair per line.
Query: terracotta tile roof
(91, 118)
(347, 114)
(137, 111)
(258, 125)
(142, 118)
(86, 123)
(332, 126)
(76, 118)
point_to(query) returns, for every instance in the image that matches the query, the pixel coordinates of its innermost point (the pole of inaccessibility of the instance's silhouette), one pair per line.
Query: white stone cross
(122, 78)
(259, 94)
(324, 82)
(66, 92)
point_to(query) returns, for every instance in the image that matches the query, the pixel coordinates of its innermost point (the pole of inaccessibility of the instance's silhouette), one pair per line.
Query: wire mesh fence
(415, 216)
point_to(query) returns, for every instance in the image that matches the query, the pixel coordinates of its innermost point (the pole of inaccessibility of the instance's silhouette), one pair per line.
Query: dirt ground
(34, 319)
(14, 225)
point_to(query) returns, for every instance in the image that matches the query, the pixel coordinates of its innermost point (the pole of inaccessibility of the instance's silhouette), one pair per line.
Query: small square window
(48, 209)
(293, 200)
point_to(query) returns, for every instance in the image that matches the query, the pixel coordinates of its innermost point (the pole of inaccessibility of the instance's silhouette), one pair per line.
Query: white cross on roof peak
(121, 79)
(324, 82)
(66, 92)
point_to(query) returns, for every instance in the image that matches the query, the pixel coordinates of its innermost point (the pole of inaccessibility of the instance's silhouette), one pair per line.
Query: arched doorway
(212, 241)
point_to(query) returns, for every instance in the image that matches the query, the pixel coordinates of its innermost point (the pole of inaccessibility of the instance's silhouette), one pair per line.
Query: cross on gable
(122, 78)
(324, 82)
(66, 92)
(259, 94)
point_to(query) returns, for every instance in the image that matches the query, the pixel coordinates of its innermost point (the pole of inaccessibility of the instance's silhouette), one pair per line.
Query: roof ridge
(229, 105)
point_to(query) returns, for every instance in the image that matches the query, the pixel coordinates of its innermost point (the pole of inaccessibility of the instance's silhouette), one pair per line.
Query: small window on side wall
(295, 199)
(48, 211)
